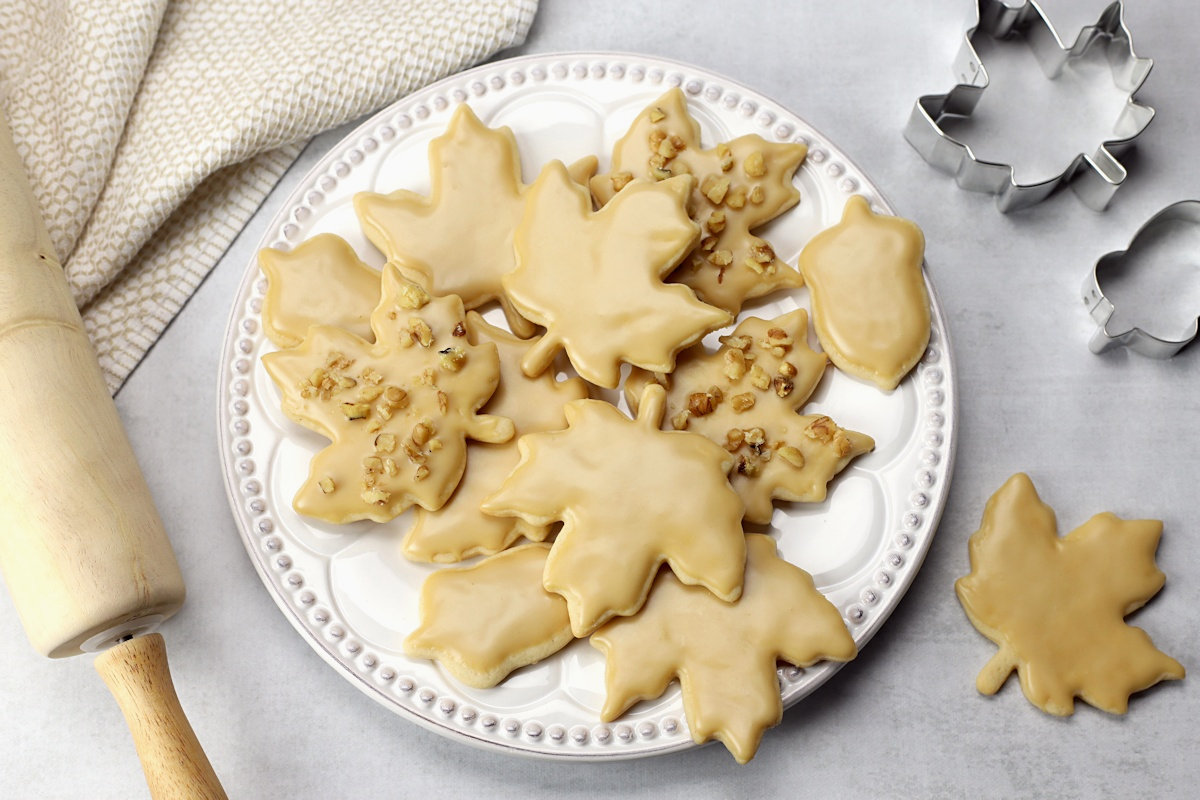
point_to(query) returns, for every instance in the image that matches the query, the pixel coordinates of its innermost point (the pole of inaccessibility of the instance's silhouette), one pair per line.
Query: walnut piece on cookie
(320, 282)
(484, 621)
(724, 654)
(459, 530)
(870, 307)
(630, 497)
(745, 397)
(1056, 606)
(594, 279)
(740, 185)
(397, 412)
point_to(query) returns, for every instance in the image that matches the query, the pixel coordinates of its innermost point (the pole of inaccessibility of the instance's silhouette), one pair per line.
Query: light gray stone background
(1114, 432)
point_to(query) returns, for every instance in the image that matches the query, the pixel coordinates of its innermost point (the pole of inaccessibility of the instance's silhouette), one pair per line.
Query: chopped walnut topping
(385, 443)
(739, 342)
(356, 410)
(373, 426)
(391, 467)
(459, 330)
(657, 114)
(371, 375)
(736, 199)
(413, 452)
(411, 296)
(316, 377)
(680, 421)
(715, 222)
(372, 465)
(762, 253)
(667, 148)
(701, 404)
(656, 136)
(452, 358)
(735, 364)
(746, 466)
(375, 496)
(443, 401)
(660, 173)
(621, 179)
(751, 264)
(421, 433)
(338, 361)
(742, 402)
(658, 161)
(756, 437)
(434, 445)
(734, 438)
(714, 189)
(346, 382)
(395, 396)
(757, 195)
(759, 378)
(720, 258)
(821, 429)
(755, 166)
(708, 243)
(697, 261)
(428, 377)
(326, 485)
(421, 474)
(726, 157)
(716, 393)
(783, 386)
(420, 331)
(787, 369)
(368, 394)
(792, 455)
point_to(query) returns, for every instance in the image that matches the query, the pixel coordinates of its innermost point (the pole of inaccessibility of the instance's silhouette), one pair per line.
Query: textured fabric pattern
(153, 129)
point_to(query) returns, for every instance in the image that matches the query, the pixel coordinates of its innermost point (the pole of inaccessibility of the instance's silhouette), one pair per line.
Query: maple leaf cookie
(396, 412)
(1056, 606)
(484, 621)
(320, 282)
(745, 397)
(459, 530)
(740, 185)
(594, 279)
(630, 498)
(724, 654)
(458, 240)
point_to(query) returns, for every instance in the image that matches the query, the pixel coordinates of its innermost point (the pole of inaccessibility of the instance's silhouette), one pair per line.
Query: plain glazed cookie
(594, 280)
(631, 497)
(724, 654)
(1056, 606)
(396, 412)
(740, 186)
(459, 530)
(320, 282)
(484, 621)
(745, 397)
(870, 306)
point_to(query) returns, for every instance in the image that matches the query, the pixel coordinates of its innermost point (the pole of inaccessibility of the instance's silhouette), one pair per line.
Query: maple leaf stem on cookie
(594, 280)
(631, 497)
(1055, 606)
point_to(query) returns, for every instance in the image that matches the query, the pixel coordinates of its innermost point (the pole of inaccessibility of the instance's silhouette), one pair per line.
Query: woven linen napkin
(153, 129)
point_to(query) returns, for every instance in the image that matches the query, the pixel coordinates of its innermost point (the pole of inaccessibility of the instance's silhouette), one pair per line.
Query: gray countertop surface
(1111, 432)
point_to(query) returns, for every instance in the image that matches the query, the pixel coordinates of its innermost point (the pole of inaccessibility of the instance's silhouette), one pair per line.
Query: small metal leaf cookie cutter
(1096, 177)
(1102, 309)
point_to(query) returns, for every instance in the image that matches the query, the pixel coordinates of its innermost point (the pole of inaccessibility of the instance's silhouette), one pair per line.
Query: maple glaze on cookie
(1056, 605)
(870, 306)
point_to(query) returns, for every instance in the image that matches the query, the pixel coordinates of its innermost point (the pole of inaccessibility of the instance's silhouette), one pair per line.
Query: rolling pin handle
(138, 676)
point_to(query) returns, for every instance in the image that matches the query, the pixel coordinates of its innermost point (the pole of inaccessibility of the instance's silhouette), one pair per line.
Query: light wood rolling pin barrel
(82, 548)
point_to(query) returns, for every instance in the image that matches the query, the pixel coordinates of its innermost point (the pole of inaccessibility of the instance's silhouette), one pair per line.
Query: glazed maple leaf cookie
(458, 240)
(594, 279)
(483, 622)
(724, 654)
(459, 529)
(870, 306)
(740, 185)
(630, 497)
(397, 413)
(320, 282)
(1056, 605)
(745, 397)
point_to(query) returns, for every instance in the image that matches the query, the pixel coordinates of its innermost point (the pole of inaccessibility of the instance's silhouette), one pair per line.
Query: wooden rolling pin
(82, 548)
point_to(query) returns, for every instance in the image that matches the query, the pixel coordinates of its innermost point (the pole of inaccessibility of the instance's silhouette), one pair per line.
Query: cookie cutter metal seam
(1096, 177)
(1102, 309)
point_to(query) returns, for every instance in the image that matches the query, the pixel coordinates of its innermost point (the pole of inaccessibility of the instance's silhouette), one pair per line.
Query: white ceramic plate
(348, 590)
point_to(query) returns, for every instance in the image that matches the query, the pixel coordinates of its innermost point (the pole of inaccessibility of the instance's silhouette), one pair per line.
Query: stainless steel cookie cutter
(1096, 177)
(1101, 308)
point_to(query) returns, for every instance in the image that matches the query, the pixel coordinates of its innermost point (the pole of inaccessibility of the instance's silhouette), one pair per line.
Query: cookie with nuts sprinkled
(746, 397)
(595, 279)
(740, 186)
(631, 497)
(396, 412)
(459, 530)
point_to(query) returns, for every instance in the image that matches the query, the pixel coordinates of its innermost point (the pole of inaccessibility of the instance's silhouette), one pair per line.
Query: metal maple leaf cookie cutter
(1163, 223)
(1096, 177)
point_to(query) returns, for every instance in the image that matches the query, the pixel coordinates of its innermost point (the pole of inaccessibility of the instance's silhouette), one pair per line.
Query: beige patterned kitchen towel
(153, 129)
